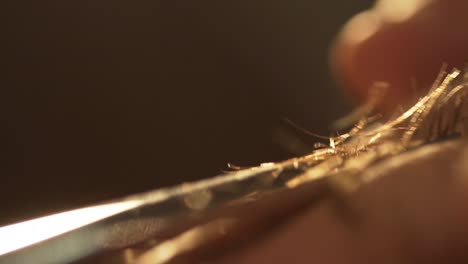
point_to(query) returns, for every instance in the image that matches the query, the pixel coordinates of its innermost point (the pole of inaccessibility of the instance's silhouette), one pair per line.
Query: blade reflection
(21, 235)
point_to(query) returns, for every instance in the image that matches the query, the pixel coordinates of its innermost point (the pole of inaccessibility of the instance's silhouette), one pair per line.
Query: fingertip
(399, 42)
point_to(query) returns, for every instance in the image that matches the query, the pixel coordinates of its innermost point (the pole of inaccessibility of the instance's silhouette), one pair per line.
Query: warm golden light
(365, 24)
(186, 241)
(17, 236)
(361, 27)
(397, 11)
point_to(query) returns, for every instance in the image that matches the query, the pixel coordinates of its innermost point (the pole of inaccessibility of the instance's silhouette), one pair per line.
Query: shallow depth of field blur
(106, 98)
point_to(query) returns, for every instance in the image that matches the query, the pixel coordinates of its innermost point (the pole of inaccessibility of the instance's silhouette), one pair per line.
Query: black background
(104, 98)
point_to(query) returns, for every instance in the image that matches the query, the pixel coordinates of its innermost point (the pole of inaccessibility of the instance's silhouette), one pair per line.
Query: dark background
(104, 98)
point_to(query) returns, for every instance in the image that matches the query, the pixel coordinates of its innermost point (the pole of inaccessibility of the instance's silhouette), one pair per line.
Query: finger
(400, 42)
